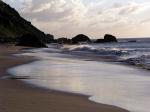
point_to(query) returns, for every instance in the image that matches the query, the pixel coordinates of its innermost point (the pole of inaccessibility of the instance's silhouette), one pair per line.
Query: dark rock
(49, 38)
(64, 40)
(12, 25)
(7, 40)
(100, 41)
(107, 38)
(110, 38)
(30, 41)
(80, 38)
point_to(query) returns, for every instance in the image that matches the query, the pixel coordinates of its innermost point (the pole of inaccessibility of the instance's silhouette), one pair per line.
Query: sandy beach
(16, 96)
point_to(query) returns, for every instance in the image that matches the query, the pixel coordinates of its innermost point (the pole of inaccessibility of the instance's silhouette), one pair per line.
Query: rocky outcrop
(7, 40)
(63, 40)
(80, 38)
(49, 39)
(110, 38)
(12, 25)
(107, 38)
(30, 40)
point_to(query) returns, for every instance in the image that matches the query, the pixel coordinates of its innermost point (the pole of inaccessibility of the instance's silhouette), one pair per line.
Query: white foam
(82, 48)
(95, 50)
(131, 53)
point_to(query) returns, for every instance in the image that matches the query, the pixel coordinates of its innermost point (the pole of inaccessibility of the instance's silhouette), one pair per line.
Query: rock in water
(107, 38)
(110, 38)
(80, 38)
(63, 40)
(30, 41)
(100, 41)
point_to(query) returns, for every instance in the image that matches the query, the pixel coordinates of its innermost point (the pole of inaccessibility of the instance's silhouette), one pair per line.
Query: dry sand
(16, 96)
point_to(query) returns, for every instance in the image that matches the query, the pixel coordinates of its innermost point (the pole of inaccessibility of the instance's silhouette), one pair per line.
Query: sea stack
(110, 38)
(80, 38)
(107, 38)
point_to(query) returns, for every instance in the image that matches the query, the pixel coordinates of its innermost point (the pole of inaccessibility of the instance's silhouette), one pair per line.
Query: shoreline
(16, 96)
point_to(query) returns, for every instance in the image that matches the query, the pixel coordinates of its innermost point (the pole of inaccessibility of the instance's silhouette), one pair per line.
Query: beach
(17, 96)
(80, 56)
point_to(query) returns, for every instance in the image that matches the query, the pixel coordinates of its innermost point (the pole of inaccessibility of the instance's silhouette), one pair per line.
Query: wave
(142, 61)
(134, 56)
(95, 50)
(83, 48)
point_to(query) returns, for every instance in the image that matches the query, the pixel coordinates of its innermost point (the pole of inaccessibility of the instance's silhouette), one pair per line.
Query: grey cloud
(145, 20)
(117, 5)
(48, 16)
(47, 11)
(110, 20)
(131, 8)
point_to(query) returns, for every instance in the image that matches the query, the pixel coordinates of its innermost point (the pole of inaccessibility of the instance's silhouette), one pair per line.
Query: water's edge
(12, 76)
(58, 60)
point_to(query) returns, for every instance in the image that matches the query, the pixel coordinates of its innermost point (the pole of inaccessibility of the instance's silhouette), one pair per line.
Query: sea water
(123, 82)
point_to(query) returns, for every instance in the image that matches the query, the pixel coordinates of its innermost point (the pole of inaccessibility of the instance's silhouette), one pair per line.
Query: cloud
(92, 17)
(129, 8)
(145, 21)
(54, 10)
(42, 7)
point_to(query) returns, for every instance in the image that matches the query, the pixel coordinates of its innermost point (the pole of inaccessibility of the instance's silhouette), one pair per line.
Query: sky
(67, 18)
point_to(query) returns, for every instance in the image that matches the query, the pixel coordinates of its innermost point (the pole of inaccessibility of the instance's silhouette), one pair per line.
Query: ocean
(111, 73)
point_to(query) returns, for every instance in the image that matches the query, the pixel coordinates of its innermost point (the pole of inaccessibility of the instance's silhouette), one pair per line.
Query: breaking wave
(95, 50)
(137, 54)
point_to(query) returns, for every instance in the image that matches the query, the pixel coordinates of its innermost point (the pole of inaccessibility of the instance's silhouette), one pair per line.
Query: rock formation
(80, 38)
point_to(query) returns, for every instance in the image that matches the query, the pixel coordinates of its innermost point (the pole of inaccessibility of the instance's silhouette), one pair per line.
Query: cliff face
(12, 25)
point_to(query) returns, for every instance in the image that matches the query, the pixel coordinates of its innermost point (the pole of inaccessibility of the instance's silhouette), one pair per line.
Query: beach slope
(16, 96)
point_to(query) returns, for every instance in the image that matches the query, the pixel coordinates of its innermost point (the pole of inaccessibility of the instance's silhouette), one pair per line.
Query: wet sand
(15, 96)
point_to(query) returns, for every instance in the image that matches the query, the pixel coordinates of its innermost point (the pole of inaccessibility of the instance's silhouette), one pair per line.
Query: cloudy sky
(123, 18)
